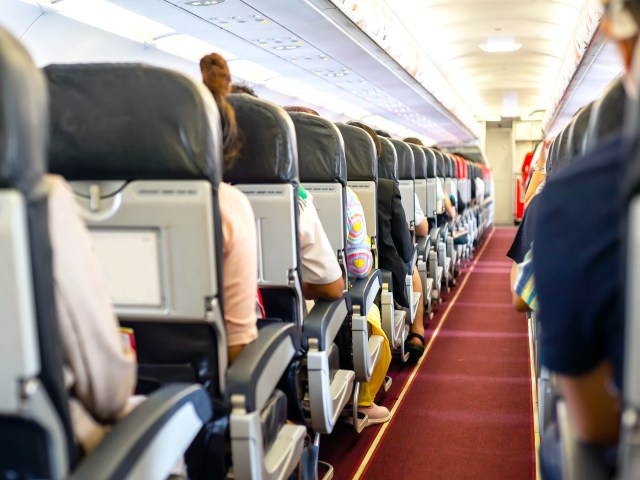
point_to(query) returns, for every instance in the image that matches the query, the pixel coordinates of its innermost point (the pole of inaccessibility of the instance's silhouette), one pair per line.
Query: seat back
(266, 171)
(434, 207)
(323, 172)
(578, 134)
(362, 175)
(421, 175)
(562, 152)
(406, 179)
(388, 161)
(149, 197)
(606, 119)
(35, 428)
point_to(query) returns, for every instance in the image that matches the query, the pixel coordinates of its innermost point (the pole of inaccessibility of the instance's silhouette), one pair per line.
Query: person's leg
(418, 323)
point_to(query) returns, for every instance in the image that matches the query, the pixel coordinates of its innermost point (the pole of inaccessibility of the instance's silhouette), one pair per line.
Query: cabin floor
(466, 410)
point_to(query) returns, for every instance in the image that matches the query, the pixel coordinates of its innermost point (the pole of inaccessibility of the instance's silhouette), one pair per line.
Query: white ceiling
(506, 84)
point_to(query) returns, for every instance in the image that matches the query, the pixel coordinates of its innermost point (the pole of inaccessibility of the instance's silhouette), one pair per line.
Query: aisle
(467, 411)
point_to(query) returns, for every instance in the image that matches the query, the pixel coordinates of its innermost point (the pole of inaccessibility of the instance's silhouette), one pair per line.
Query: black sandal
(415, 351)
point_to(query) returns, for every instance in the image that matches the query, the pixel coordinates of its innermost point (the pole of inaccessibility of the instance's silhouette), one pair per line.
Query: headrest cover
(431, 162)
(406, 166)
(131, 121)
(388, 161)
(453, 169)
(577, 135)
(441, 165)
(269, 153)
(24, 128)
(606, 115)
(419, 161)
(320, 149)
(362, 164)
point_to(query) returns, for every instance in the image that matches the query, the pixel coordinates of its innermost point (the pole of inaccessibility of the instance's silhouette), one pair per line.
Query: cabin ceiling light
(500, 45)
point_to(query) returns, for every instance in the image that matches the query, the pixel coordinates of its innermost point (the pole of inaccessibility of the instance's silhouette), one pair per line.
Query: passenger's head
(216, 76)
(414, 140)
(243, 88)
(620, 22)
(301, 109)
(372, 134)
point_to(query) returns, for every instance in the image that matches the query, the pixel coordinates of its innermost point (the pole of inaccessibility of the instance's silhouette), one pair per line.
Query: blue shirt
(577, 263)
(524, 236)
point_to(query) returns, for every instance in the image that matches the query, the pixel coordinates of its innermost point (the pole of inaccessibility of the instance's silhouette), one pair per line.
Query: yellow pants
(368, 390)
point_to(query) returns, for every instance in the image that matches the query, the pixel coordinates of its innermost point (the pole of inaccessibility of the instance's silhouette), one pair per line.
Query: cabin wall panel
(500, 150)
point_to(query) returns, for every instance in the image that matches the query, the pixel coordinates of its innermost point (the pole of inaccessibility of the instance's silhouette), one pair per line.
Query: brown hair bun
(215, 74)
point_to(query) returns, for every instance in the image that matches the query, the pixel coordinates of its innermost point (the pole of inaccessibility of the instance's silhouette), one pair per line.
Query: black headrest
(441, 166)
(321, 155)
(606, 115)
(419, 161)
(360, 152)
(562, 153)
(131, 121)
(406, 163)
(431, 162)
(24, 122)
(453, 167)
(269, 153)
(388, 161)
(577, 135)
(551, 156)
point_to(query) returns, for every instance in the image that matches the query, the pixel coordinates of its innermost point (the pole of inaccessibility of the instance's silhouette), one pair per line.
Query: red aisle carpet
(468, 412)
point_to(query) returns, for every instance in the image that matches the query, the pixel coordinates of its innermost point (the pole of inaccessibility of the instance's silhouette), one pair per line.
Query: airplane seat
(388, 168)
(577, 135)
(452, 179)
(434, 208)
(605, 119)
(444, 259)
(36, 435)
(150, 198)
(322, 170)
(562, 152)
(363, 168)
(424, 242)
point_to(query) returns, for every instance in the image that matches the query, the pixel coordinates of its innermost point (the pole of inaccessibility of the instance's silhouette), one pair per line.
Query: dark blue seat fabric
(577, 258)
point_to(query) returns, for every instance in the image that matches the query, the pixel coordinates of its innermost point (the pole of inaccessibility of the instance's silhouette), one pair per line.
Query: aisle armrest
(364, 290)
(324, 321)
(255, 373)
(424, 245)
(151, 439)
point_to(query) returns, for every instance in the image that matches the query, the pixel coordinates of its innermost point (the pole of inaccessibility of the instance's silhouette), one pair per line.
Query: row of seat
(141, 148)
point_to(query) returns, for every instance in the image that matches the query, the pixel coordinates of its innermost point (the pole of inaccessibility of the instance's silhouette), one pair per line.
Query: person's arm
(593, 408)
(539, 174)
(519, 304)
(357, 244)
(449, 208)
(422, 230)
(320, 271)
(325, 291)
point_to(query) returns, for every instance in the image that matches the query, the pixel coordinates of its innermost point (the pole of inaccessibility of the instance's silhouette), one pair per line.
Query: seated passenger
(396, 249)
(359, 264)
(98, 369)
(239, 249)
(577, 260)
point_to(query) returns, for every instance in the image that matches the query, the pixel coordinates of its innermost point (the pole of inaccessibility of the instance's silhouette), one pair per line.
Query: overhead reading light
(500, 45)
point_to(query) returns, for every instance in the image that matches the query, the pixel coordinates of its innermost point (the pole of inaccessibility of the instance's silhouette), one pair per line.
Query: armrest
(125, 448)
(424, 245)
(256, 371)
(434, 234)
(364, 290)
(324, 321)
(414, 258)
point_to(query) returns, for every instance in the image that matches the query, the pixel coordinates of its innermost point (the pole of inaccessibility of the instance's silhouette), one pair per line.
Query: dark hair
(243, 88)
(299, 108)
(382, 133)
(414, 140)
(371, 133)
(216, 76)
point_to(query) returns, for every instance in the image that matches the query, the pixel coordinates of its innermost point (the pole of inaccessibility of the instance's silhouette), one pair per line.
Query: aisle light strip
(374, 446)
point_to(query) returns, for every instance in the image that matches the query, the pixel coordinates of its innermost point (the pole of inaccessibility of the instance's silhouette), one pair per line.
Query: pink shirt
(240, 267)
